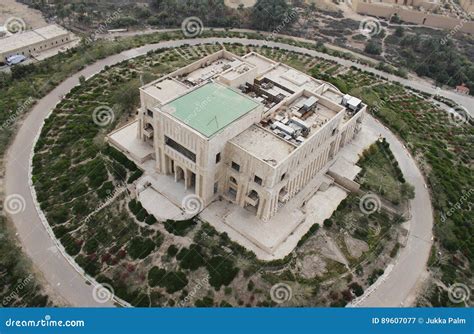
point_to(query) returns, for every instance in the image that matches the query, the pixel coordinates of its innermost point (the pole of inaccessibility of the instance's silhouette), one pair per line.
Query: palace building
(246, 129)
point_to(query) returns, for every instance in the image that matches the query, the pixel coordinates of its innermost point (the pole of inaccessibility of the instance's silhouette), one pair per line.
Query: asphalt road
(399, 287)
(71, 285)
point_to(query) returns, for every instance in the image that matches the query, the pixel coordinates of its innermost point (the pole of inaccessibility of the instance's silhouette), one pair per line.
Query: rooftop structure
(210, 108)
(247, 129)
(32, 42)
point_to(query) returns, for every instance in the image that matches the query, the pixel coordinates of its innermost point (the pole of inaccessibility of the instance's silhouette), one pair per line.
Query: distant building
(247, 129)
(463, 89)
(421, 12)
(33, 42)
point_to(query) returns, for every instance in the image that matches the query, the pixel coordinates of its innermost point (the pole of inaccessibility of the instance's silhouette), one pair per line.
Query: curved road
(71, 285)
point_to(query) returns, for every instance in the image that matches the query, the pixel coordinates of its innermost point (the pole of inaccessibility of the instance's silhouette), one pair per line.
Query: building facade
(247, 129)
(33, 42)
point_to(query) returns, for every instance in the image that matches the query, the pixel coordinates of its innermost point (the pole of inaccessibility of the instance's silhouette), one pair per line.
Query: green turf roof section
(211, 108)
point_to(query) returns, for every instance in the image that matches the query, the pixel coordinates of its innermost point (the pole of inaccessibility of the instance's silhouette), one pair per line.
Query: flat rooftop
(20, 40)
(263, 145)
(210, 108)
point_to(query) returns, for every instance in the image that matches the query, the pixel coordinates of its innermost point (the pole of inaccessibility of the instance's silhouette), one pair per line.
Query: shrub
(180, 227)
(221, 271)
(135, 175)
(172, 250)
(150, 220)
(191, 258)
(205, 302)
(71, 245)
(140, 248)
(155, 275)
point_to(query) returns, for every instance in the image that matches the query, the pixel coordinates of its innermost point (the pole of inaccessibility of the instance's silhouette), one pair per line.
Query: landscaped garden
(118, 245)
(150, 263)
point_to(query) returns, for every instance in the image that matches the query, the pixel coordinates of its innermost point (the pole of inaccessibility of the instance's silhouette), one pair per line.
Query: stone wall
(413, 16)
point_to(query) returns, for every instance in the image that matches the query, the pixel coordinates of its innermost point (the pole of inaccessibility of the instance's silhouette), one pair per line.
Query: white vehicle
(16, 59)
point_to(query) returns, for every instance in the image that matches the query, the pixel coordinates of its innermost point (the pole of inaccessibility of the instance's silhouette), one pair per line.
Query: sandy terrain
(13, 9)
(236, 3)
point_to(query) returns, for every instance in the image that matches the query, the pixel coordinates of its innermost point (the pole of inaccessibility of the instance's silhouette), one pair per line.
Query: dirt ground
(236, 3)
(11, 8)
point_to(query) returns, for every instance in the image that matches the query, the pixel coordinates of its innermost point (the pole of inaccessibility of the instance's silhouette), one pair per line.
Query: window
(235, 166)
(257, 180)
(216, 187)
(283, 176)
(218, 157)
(180, 148)
(333, 132)
(149, 112)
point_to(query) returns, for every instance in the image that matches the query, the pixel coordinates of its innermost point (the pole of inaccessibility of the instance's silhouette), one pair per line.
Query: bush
(150, 220)
(172, 250)
(327, 223)
(71, 245)
(135, 175)
(205, 302)
(172, 281)
(155, 275)
(221, 271)
(357, 289)
(120, 158)
(180, 227)
(140, 248)
(191, 258)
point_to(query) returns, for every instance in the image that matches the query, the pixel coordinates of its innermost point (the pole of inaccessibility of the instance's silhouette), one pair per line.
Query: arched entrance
(252, 201)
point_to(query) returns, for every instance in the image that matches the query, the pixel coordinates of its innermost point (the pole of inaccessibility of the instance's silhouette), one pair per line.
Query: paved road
(70, 284)
(414, 82)
(399, 288)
